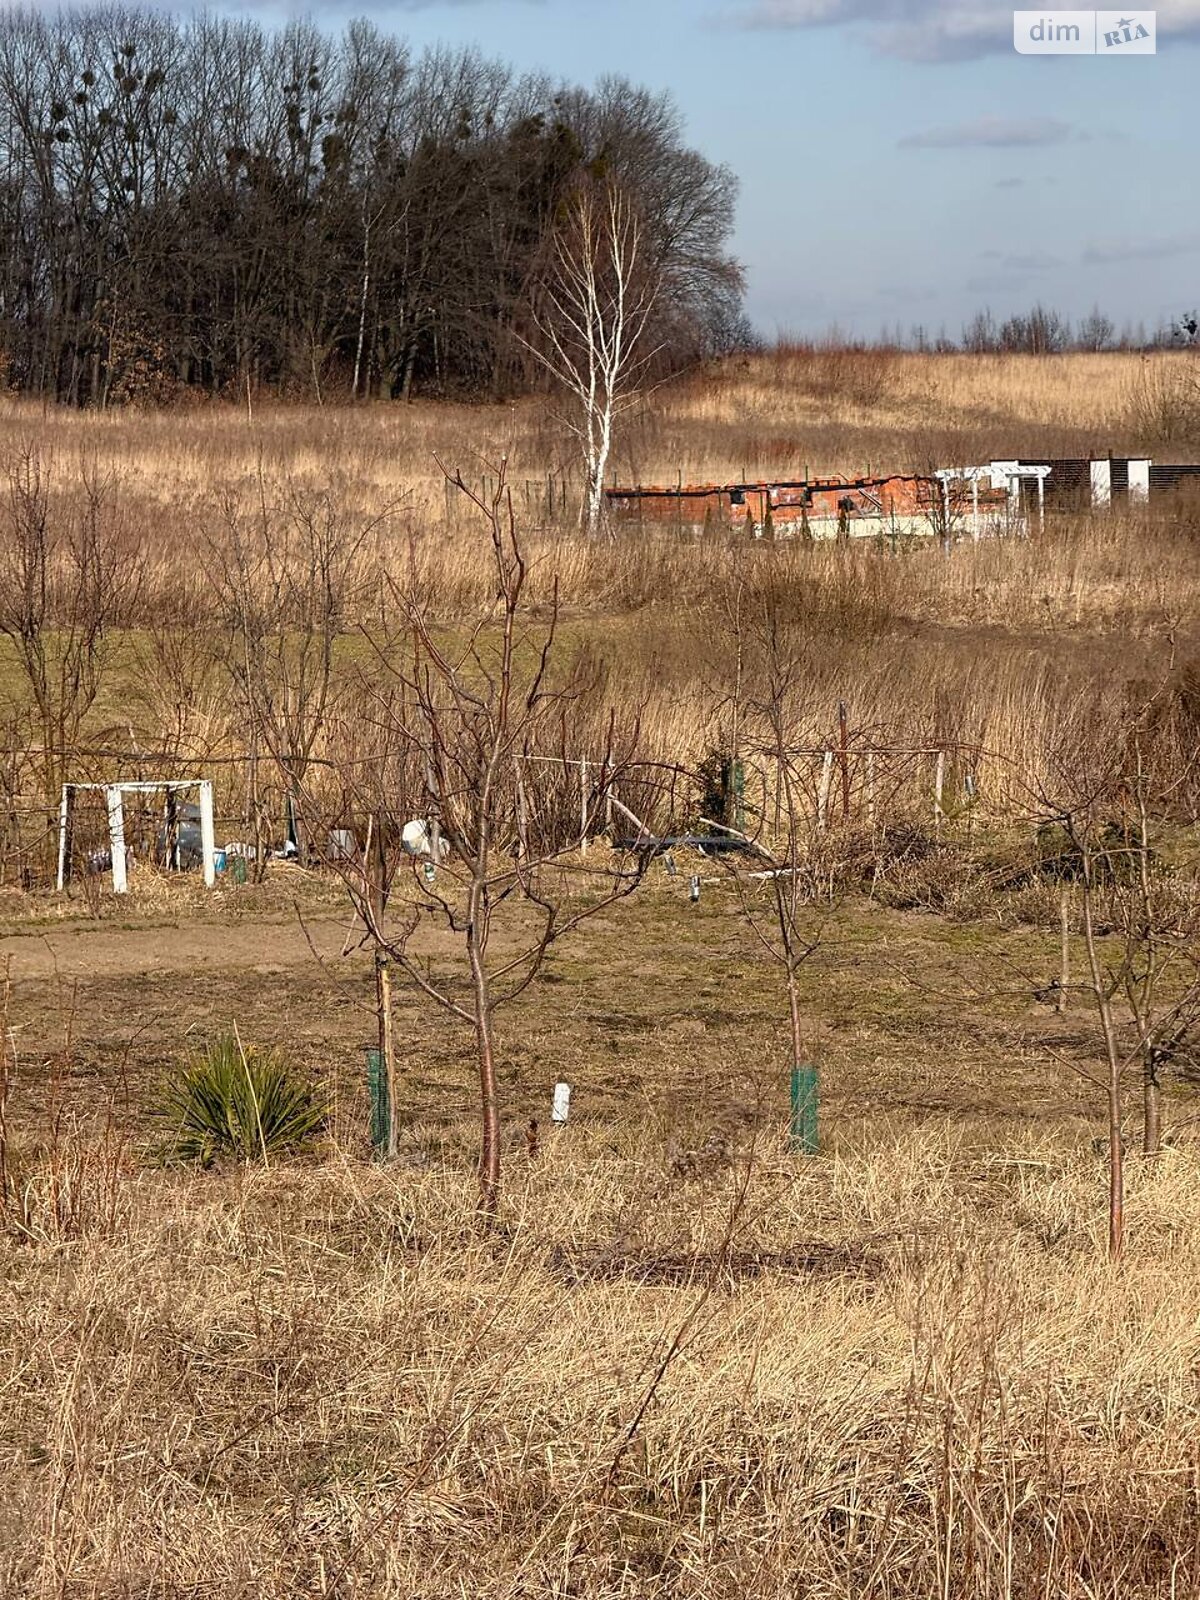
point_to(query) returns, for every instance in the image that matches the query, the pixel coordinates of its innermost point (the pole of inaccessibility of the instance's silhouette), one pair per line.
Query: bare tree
(464, 724)
(288, 582)
(1140, 924)
(205, 201)
(591, 310)
(1095, 331)
(788, 883)
(787, 895)
(1041, 331)
(68, 575)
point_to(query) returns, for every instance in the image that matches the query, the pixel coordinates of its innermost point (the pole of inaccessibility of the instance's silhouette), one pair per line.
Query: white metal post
(583, 806)
(208, 843)
(116, 837)
(1010, 473)
(939, 782)
(64, 829)
(823, 791)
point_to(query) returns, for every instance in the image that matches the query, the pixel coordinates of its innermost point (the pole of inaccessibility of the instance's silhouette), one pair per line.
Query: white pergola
(1011, 472)
(114, 794)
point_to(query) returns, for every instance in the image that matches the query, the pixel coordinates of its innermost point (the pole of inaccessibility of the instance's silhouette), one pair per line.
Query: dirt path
(100, 950)
(656, 1002)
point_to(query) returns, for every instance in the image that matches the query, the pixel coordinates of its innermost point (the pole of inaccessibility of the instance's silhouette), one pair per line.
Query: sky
(899, 162)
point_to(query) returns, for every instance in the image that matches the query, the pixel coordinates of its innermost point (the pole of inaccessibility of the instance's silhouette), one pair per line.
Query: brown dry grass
(688, 1364)
(759, 416)
(305, 1383)
(853, 410)
(900, 1369)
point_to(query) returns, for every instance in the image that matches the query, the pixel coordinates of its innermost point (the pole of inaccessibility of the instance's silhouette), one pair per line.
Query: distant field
(989, 640)
(834, 411)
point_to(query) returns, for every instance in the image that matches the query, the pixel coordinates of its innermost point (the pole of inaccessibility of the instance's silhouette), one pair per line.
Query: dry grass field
(754, 416)
(686, 1362)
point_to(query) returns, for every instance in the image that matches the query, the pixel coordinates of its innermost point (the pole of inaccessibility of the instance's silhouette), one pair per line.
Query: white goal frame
(114, 795)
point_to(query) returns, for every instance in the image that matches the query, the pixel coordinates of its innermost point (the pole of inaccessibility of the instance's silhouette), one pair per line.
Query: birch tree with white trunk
(592, 310)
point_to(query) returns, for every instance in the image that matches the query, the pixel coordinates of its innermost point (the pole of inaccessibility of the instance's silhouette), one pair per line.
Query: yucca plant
(241, 1102)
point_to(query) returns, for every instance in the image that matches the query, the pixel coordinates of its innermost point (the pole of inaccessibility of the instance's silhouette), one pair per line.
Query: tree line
(1041, 331)
(209, 204)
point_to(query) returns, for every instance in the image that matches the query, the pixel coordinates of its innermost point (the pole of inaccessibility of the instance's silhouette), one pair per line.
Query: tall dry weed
(912, 1376)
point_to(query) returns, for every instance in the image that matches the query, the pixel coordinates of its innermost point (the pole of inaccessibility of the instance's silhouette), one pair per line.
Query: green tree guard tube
(377, 1089)
(804, 1111)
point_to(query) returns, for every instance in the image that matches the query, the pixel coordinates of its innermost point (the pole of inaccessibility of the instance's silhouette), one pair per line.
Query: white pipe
(64, 826)
(207, 834)
(560, 1108)
(643, 830)
(116, 837)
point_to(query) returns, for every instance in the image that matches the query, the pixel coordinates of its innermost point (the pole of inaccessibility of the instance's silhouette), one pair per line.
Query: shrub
(244, 1103)
(1116, 854)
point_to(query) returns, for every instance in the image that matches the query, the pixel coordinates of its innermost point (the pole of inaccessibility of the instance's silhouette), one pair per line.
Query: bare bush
(69, 577)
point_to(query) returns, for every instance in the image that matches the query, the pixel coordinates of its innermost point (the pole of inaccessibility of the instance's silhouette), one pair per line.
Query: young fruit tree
(484, 797)
(288, 578)
(788, 881)
(592, 304)
(1140, 922)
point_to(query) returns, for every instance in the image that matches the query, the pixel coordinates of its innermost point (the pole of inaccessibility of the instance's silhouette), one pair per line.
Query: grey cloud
(276, 12)
(991, 133)
(788, 14)
(1037, 261)
(923, 30)
(1012, 271)
(907, 294)
(995, 283)
(1115, 252)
